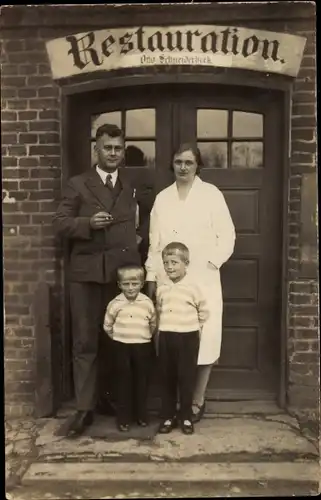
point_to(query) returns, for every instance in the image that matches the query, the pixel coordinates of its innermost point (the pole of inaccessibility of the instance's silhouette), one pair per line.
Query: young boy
(182, 312)
(130, 321)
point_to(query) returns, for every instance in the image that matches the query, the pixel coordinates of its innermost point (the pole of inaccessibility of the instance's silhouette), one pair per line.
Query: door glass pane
(140, 154)
(114, 118)
(247, 124)
(211, 123)
(140, 123)
(214, 154)
(247, 154)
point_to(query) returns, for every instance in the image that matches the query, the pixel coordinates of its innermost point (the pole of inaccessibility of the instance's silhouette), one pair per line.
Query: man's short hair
(174, 247)
(130, 267)
(109, 129)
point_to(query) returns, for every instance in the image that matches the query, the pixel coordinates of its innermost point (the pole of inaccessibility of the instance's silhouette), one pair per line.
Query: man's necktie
(108, 182)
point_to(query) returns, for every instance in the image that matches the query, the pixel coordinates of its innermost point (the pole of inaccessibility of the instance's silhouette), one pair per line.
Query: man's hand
(151, 289)
(101, 220)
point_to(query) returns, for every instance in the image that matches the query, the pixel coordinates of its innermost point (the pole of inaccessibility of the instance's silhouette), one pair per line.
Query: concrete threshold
(172, 472)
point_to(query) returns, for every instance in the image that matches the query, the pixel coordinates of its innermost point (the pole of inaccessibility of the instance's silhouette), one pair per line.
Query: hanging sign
(193, 45)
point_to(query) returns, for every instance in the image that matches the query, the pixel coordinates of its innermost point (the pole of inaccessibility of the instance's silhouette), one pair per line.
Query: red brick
(307, 134)
(8, 116)
(303, 109)
(23, 332)
(17, 150)
(39, 81)
(49, 115)
(27, 93)
(44, 69)
(17, 309)
(10, 299)
(44, 150)
(45, 173)
(48, 92)
(33, 44)
(306, 357)
(10, 185)
(17, 219)
(9, 69)
(29, 231)
(300, 146)
(14, 127)
(8, 93)
(29, 207)
(51, 161)
(9, 253)
(20, 288)
(29, 185)
(48, 206)
(33, 57)
(28, 138)
(13, 81)
(9, 139)
(29, 162)
(49, 138)
(43, 104)
(20, 195)
(15, 173)
(51, 184)
(15, 45)
(27, 115)
(30, 255)
(9, 161)
(302, 158)
(42, 195)
(308, 62)
(26, 69)
(44, 126)
(19, 104)
(305, 85)
(41, 219)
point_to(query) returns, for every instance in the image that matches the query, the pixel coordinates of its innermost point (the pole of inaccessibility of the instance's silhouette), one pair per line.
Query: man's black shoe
(82, 420)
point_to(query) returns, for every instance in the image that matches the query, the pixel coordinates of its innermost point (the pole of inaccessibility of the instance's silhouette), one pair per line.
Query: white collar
(140, 297)
(103, 175)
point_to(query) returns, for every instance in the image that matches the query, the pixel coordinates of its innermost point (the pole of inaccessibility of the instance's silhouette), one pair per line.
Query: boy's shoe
(123, 427)
(142, 423)
(187, 427)
(167, 426)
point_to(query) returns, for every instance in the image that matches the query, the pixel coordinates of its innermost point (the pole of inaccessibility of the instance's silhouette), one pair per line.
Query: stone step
(305, 471)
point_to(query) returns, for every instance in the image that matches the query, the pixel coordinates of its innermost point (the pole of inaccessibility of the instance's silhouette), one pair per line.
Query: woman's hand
(151, 289)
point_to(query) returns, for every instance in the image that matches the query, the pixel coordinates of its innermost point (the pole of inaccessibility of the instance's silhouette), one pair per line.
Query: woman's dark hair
(189, 146)
(109, 129)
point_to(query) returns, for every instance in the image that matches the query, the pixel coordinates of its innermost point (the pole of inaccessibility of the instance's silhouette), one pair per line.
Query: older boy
(182, 311)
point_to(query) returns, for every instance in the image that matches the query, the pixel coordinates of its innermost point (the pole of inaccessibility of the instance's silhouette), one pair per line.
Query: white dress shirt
(103, 175)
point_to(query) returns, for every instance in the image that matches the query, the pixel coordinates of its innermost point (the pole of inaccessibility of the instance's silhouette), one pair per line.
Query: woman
(195, 213)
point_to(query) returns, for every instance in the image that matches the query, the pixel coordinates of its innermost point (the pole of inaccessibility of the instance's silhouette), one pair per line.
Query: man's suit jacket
(97, 253)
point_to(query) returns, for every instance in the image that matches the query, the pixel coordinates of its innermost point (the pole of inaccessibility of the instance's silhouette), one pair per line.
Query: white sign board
(195, 45)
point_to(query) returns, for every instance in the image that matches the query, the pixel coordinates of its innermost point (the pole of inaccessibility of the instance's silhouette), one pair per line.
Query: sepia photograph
(160, 250)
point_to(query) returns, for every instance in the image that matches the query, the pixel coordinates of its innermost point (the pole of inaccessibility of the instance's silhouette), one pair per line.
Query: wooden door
(239, 134)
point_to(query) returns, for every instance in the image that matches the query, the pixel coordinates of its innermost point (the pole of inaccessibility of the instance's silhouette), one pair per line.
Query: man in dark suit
(97, 215)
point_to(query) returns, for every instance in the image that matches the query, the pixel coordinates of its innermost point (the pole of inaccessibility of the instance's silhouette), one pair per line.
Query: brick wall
(31, 188)
(303, 310)
(31, 185)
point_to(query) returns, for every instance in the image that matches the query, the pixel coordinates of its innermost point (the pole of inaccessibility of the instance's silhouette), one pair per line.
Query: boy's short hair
(174, 247)
(130, 267)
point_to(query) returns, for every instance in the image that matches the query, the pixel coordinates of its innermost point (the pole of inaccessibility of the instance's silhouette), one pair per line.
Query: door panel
(238, 132)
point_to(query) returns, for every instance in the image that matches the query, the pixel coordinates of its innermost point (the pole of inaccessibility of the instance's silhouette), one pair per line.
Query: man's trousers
(92, 359)
(132, 364)
(178, 353)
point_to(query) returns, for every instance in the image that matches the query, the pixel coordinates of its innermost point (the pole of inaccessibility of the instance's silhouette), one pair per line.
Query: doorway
(239, 133)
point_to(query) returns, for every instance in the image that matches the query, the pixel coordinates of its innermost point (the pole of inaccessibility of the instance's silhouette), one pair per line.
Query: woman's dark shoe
(123, 427)
(167, 426)
(187, 427)
(196, 417)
